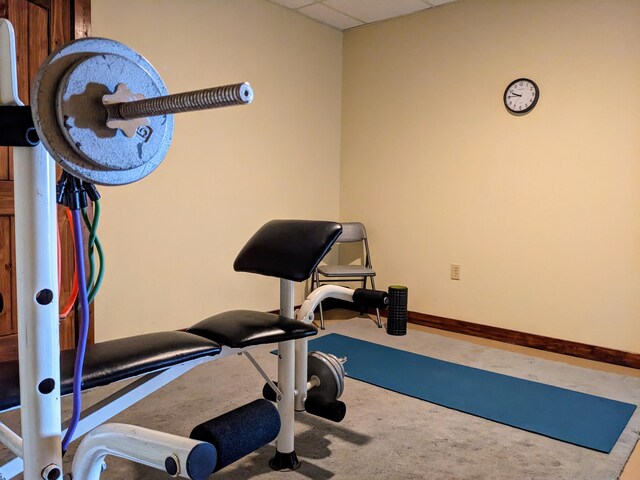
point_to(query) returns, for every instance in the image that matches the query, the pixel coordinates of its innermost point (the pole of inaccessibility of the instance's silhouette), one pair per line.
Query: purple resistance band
(84, 330)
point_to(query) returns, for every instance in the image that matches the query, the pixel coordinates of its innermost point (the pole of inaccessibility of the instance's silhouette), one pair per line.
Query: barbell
(104, 114)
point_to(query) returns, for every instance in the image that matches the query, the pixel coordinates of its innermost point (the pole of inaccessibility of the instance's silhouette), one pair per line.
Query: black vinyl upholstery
(243, 328)
(289, 249)
(115, 360)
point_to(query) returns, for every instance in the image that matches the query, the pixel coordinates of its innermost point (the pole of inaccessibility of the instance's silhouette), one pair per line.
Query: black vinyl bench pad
(289, 249)
(245, 328)
(115, 360)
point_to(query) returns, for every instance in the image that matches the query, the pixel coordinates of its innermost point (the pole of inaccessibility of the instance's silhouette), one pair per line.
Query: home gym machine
(104, 115)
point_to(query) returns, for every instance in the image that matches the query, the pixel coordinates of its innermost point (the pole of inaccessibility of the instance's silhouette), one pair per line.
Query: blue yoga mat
(585, 420)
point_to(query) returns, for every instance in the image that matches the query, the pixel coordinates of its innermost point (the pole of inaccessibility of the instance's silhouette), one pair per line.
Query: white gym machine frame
(38, 451)
(145, 385)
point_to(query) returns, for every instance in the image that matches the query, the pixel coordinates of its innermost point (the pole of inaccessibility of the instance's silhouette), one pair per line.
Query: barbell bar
(216, 97)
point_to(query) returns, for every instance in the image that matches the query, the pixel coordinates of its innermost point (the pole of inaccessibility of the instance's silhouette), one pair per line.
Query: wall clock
(521, 96)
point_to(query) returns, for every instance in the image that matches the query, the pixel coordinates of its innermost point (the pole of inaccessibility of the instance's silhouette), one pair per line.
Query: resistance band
(94, 245)
(64, 312)
(84, 330)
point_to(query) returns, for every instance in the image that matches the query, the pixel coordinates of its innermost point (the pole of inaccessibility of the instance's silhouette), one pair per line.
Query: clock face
(521, 96)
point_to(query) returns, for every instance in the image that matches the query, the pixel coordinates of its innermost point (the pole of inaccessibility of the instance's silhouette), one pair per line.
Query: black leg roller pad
(333, 410)
(370, 298)
(200, 462)
(329, 409)
(268, 393)
(241, 431)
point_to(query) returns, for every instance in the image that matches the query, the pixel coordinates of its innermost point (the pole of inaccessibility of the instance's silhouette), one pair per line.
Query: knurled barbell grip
(225, 96)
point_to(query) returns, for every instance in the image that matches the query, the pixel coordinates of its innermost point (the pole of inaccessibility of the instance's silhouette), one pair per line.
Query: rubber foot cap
(284, 461)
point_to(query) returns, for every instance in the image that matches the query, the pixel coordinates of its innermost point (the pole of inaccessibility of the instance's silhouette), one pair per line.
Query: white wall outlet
(455, 271)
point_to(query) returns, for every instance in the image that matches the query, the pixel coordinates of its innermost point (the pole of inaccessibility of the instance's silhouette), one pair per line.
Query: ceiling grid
(345, 14)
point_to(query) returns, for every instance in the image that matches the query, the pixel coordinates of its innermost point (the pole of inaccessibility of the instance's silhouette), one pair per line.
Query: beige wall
(171, 239)
(542, 212)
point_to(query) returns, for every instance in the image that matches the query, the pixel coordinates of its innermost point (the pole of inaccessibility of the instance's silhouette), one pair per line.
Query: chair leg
(373, 286)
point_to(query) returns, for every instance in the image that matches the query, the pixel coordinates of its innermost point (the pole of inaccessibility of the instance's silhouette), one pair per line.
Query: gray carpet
(386, 435)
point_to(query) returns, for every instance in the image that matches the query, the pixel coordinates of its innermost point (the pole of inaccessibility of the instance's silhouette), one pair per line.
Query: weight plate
(45, 117)
(82, 116)
(339, 368)
(320, 366)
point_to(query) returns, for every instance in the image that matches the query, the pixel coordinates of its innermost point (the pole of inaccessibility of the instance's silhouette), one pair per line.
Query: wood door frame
(81, 20)
(73, 23)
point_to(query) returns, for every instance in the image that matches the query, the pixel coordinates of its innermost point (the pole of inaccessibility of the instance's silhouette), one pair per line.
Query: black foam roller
(370, 298)
(397, 314)
(240, 432)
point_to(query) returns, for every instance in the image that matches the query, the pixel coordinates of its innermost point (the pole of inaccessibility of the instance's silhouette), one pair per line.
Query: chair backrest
(352, 232)
(355, 232)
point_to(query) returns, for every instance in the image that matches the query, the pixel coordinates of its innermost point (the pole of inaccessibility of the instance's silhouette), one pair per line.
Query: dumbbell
(104, 114)
(325, 385)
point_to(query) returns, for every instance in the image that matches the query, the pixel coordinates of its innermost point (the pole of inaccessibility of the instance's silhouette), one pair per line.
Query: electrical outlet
(455, 272)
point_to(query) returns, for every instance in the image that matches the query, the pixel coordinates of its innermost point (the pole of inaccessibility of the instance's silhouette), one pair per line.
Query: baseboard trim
(540, 342)
(514, 337)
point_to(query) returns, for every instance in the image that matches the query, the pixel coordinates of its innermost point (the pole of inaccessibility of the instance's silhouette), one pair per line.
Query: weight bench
(287, 249)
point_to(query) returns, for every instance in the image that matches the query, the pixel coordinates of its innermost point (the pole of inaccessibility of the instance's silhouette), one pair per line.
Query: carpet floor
(386, 435)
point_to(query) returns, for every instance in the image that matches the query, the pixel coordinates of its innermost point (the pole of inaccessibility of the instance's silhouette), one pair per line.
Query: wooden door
(40, 26)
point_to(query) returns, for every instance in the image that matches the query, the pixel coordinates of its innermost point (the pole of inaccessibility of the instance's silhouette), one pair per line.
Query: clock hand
(515, 95)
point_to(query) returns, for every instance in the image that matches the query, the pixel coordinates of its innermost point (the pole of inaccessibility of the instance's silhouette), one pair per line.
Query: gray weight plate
(43, 104)
(82, 116)
(339, 368)
(320, 366)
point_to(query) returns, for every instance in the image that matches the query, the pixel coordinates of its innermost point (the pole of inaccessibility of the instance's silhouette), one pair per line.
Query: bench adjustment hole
(46, 386)
(44, 296)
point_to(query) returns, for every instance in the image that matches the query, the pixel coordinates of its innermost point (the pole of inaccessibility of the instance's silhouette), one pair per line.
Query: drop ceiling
(345, 14)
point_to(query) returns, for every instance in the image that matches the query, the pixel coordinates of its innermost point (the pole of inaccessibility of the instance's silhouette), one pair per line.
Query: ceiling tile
(293, 3)
(374, 10)
(329, 16)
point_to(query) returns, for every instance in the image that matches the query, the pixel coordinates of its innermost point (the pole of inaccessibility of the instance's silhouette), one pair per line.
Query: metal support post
(37, 288)
(37, 295)
(285, 457)
(302, 350)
